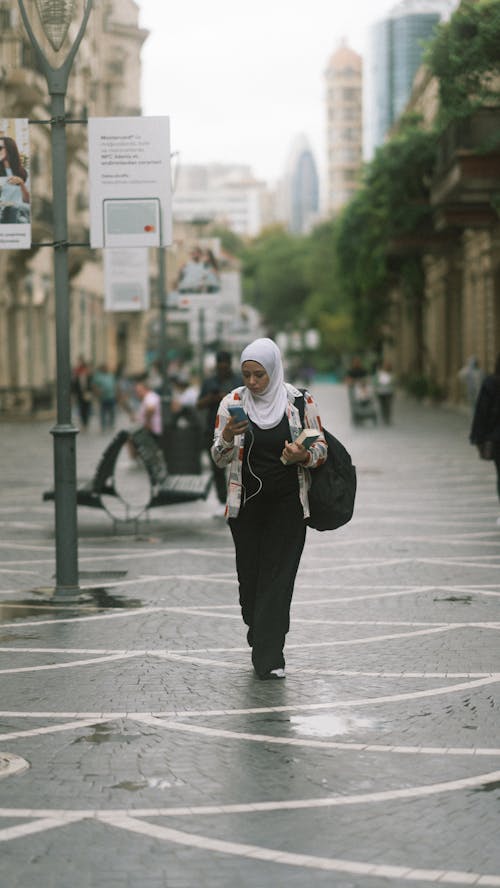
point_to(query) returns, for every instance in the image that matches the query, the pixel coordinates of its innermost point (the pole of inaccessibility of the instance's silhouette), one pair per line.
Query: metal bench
(167, 489)
(164, 489)
(90, 494)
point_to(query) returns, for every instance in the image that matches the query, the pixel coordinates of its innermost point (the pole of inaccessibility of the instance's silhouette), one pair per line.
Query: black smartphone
(238, 413)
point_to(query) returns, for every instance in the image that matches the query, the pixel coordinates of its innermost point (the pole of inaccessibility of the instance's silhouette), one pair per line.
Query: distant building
(344, 127)
(396, 46)
(225, 194)
(300, 188)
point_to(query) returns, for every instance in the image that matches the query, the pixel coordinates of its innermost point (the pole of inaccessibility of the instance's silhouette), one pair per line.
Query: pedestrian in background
(82, 385)
(104, 384)
(471, 377)
(485, 429)
(149, 411)
(212, 391)
(267, 501)
(383, 381)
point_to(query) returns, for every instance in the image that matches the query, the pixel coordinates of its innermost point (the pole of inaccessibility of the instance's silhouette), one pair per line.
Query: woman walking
(267, 500)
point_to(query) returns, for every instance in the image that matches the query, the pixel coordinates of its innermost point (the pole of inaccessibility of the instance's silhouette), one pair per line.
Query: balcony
(27, 89)
(467, 172)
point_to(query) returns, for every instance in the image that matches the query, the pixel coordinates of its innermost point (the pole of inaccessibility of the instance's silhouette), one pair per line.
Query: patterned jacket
(231, 454)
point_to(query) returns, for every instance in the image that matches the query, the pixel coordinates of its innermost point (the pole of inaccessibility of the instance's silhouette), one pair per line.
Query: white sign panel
(126, 279)
(15, 209)
(130, 184)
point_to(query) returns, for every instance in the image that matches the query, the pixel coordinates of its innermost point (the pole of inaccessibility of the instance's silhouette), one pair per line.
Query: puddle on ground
(455, 599)
(488, 787)
(106, 734)
(93, 599)
(329, 725)
(150, 783)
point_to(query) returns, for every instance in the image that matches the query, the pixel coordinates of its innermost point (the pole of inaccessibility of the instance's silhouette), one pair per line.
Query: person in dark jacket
(212, 391)
(486, 420)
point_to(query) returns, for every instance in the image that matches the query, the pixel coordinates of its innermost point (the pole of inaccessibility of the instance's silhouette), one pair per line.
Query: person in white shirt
(149, 413)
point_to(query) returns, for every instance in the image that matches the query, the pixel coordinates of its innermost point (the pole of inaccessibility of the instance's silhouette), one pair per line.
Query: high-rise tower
(344, 129)
(395, 50)
(301, 187)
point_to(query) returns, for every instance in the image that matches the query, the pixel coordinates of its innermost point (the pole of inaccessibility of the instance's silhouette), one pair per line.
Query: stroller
(362, 402)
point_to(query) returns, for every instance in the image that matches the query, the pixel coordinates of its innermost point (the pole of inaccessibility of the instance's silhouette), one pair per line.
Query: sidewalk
(139, 750)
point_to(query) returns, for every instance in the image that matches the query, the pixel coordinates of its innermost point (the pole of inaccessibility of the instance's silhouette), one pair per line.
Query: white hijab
(268, 408)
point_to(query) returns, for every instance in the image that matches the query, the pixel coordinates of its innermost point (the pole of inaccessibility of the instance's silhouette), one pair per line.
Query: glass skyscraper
(394, 55)
(302, 185)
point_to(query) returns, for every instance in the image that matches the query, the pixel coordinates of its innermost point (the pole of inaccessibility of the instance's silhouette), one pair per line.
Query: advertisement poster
(130, 184)
(126, 280)
(15, 210)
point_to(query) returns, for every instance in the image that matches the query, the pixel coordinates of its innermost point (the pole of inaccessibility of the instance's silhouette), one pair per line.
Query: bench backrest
(106, 464)
(151, 455)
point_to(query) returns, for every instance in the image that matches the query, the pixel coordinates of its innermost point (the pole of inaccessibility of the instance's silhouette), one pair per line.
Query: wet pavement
(137, 747)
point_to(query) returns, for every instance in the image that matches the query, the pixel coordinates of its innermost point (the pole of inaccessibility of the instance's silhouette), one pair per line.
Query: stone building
(459, 314)
(344, 127)
(105, 81)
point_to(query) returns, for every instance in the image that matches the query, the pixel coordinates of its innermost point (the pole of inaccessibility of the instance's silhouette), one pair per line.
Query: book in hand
(307, 437)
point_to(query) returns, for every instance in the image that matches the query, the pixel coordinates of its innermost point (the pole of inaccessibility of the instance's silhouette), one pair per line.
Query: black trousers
(269, 535)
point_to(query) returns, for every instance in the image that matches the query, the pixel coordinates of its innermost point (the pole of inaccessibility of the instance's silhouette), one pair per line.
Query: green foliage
(392, 202)
(465, 58)
(423, 387)
(273, 276)
(231, 242)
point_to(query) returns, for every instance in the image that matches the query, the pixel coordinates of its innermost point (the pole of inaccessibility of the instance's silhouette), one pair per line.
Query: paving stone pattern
(138, 749)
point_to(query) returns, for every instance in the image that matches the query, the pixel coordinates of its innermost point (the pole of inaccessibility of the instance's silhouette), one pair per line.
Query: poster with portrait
(15, 200)
(130, 186)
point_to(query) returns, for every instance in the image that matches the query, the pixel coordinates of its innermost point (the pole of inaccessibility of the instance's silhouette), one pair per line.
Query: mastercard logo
(149, 228)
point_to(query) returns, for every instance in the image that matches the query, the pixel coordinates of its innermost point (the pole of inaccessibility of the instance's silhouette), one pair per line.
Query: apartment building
(105, 81)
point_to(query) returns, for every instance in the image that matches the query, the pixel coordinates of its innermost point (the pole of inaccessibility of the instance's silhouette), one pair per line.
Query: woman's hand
(293, 453)
(233, 428)
(15, 180)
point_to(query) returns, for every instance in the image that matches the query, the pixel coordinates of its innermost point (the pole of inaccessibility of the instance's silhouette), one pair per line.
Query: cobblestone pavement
(139, 750)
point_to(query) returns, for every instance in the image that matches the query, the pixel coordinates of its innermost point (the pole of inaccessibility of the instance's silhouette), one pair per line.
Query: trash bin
(182, 443)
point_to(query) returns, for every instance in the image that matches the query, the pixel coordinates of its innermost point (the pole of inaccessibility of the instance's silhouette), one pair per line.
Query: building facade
(221, 194)
(344, 127)
(457, 315)
(105, 81)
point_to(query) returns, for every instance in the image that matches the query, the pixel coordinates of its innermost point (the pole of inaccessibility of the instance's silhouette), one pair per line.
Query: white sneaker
(277, 673)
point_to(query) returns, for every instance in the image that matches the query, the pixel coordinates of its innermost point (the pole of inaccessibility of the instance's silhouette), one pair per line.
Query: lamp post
(166, 397)
(55, 18)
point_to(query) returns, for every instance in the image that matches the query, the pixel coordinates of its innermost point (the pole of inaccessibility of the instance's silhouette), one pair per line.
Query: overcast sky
(240, 78)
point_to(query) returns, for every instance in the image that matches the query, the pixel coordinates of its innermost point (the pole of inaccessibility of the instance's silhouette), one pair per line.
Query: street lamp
(55, 18)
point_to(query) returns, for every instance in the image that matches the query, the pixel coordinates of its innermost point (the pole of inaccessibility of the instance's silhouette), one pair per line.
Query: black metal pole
(64, 433)
(166, 396)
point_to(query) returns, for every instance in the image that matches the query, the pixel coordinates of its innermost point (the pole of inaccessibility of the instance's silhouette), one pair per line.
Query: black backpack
(333, 484)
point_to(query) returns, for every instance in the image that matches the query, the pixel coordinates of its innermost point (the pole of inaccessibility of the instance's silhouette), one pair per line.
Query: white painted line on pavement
(259, 710)
(29, 829)
(256, 852)
(74, 663)
(204, 730)
(53, 729)
(408, 792)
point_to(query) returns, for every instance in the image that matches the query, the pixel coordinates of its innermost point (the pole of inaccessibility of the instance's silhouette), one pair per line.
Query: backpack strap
(300, 405)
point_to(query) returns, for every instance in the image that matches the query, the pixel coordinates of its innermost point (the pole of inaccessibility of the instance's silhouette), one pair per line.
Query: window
(5, 21)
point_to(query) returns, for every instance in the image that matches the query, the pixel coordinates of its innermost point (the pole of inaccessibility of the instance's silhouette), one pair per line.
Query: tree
(273, 275)
(464, 57)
